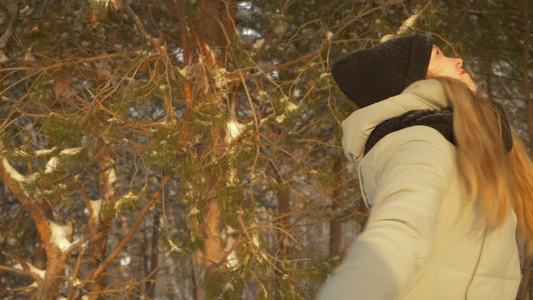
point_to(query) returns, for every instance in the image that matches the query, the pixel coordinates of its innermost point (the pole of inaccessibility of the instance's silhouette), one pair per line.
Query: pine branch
(26, 270)
(13, 270)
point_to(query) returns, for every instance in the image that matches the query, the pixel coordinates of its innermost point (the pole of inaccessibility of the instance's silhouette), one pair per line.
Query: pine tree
(188, 149)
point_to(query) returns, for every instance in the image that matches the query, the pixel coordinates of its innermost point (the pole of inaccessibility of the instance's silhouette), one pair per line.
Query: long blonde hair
(487, 173)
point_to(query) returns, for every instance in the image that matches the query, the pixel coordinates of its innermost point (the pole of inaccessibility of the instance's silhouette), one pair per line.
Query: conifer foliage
(177, 149)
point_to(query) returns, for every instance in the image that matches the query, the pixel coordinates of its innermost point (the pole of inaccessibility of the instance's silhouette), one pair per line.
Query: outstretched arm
(411, 170)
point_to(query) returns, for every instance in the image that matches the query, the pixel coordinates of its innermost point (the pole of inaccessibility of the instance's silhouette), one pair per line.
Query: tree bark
(283, 195)
(284, 220)
(4, 191)
(41, 215)
(101, 215)
(154, 255)
(206, 261)
(525, 76)
(39, 253)
(526, 282)
(335, 225)
(4, 199)
(211, 30)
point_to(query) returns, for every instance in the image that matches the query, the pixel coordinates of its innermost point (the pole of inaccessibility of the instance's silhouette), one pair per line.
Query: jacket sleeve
(409, 171)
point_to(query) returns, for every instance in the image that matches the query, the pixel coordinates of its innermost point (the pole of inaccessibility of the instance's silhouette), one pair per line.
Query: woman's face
(443, 66)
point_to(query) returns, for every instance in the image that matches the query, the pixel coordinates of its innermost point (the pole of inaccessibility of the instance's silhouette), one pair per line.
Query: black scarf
(441, 120)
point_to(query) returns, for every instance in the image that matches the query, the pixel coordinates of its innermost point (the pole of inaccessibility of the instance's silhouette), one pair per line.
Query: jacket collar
(423, 94)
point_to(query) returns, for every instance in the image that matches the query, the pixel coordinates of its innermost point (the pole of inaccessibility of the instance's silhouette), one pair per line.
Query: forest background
(190, 149)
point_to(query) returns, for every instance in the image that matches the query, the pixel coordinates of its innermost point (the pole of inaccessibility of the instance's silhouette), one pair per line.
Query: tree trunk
(335, 225)
(526, 278)
(525, 76)
(284, 221)
(283, 194)
(154, 256)
(524, 286)
(56, 265)
(4, 190)
(211, 29)
(4, 199)
(39, 252)
(101, 215)
(41, 215)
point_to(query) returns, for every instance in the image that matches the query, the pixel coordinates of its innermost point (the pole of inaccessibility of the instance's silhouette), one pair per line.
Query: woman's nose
(458, 62)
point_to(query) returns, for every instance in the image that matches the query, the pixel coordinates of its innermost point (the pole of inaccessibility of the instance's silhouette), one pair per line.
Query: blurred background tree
(184, 149)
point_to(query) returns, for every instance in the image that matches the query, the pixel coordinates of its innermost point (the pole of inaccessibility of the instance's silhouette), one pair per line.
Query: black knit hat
(371, 75)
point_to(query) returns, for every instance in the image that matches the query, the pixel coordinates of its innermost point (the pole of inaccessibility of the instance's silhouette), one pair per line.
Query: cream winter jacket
(422, 240)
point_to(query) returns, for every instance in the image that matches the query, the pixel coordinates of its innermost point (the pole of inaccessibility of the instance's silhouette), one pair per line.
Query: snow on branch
(52, 164)
(111, 179)
(24, 268)
(289, 107)
(44, 152)
(407, 24)
(233, 130)
(61, 235)
(127, 202)
(106, 3)
(71, 151)
(95, 207)
(194, 211)
(40, 273)
(174, 247)
(230, 238)
(12, 173)
(221, 78)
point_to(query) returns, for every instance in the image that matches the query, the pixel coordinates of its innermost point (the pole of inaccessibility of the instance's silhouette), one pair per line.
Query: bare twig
(82, 241)
(325, 43)
(75, 275)
(26, 268)
(13, 270)
(284, 8)
(141, 29)
(103, 265)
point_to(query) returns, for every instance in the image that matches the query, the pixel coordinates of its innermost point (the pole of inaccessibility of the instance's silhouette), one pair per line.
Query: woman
(442, 175)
